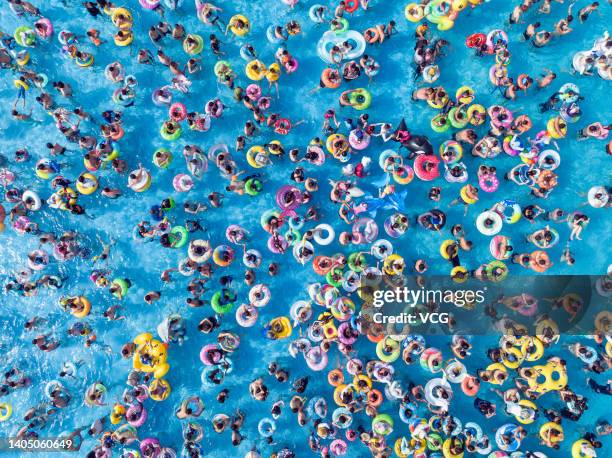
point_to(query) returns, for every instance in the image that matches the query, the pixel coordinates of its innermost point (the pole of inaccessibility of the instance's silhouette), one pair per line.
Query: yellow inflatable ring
(273, 73)
(86, 308)
(275, 151)
(414, 12)
(555, 383)
(117, 414)
(459, 270)
(517, 359)
(6, 410)
(239, 31)
(123, 38)
(157, 384)
(497, 367)
(253, 153)
(445, 246)
(127, 16)
(550, 426)
(360, 386)
(577, 449)
(544, 324)
(338, 392)
(529, 404)
(21, 84)
(446, 448)
(397, 447)
(537, 353)
(333, 138)
(394, 264)
(87, 183)
(155, 352)
(459, 5)
(465, 99)
(255, 70)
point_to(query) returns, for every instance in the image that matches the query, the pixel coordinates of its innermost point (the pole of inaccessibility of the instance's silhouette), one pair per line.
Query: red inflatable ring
(350, 6)
(476, 40)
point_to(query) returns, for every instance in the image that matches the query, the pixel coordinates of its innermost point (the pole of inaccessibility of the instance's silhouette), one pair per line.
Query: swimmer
(546, 6)
(258, 390)
(277, 409)
(111, 193)
(562, 27)
(207, 325)
(21, 116)
(92, 9)
(111, 313)
(516, 14)
(105, 250)
(152, 296)
(435, 194)
(577, 222)
(486, 408)
(532, 212)
(191, 407)
(584, 13)
(144, 57)
(44, 343)
(94, 37)
(468, 136)
(541, 39)
(222, 396)
(63, 88)
(595, 130)
(26, 7)
(34, 322)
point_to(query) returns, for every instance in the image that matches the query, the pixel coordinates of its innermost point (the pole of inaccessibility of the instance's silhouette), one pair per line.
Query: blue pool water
(583, 165)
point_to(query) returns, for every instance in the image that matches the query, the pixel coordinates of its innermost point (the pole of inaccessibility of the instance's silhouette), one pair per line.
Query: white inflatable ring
(323, 241)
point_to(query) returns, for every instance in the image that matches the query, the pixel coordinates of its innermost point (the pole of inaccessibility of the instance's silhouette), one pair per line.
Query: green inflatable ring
(357, 262)
(173, 136)
(434, 441)
(344, 28)
(360, 99)
(172, 204)
(388, 357)
(329, 277)
(218, 307)
(440, 123)
(198, 49)
(382, 418)
(30, 36)
(499, 265)
(456, 122)
(267, 216)
(253, 186)
(219, 65)
(158, 162)
(292, 236)
(183, 236)
(124, 286)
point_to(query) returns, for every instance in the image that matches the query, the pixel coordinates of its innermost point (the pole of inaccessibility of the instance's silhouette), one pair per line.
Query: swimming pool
(583, 165)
